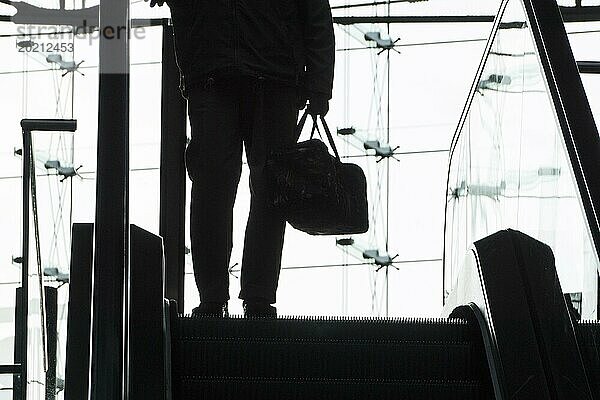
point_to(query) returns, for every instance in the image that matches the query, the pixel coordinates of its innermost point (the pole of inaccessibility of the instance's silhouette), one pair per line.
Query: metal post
(18, 387)
(111, 241)
(77, 363)
(51, 294)
(22, 337)
(172, 169)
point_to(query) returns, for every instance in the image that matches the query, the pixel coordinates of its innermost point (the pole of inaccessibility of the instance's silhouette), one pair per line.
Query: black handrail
(22, 330)
(6, 369)
(49, 125)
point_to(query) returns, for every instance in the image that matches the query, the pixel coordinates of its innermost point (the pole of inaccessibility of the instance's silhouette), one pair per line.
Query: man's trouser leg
(265, 229)
(213, 160)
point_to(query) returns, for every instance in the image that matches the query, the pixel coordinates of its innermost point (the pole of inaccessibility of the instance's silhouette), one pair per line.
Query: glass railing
(509, 166)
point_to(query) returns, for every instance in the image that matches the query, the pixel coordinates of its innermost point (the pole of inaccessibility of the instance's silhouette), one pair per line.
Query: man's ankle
(211, 309)
(257, 300)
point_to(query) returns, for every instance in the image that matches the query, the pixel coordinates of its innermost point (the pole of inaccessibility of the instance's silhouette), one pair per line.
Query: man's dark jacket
(287, 40)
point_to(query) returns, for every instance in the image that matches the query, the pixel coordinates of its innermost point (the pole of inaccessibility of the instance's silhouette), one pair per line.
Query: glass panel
(10, 276)
(55, 172)
(145, 127)
(582, 37)
(510, 169)
(6, 387)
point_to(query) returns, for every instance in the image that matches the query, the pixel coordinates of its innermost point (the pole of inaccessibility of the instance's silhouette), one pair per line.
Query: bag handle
(302, 122)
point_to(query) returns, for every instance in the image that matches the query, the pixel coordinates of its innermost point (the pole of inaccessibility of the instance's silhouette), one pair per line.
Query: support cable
(387, 166)
(38, 253)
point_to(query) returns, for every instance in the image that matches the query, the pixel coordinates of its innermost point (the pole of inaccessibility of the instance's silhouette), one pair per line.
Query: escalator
(318, 358)
(508, 333)
(525, 155)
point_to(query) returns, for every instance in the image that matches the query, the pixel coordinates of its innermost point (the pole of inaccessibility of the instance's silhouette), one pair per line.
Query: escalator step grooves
(317, 348)
(421, 330)
(228, 388)
(368, 359)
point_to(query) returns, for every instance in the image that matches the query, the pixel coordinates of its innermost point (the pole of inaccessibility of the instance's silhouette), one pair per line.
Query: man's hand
(301, 101)
(318, 104)
(156, 2)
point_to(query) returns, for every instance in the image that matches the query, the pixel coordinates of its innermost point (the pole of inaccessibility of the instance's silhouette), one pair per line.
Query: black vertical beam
(77, 365)
(111, 241)
(51, 294)
(21, 334)
(172, 169)
(18, 387)
(147, 352)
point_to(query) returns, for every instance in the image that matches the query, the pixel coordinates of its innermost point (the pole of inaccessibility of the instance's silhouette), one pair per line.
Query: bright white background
(428, 88)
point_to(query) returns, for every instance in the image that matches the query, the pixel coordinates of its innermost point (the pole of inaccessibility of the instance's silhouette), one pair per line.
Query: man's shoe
(211, 309)
(259, 309)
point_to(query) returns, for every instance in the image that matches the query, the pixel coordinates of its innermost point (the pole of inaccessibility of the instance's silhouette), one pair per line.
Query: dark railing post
(172, 169)
(77, 363)
(51, 302)
(111, 241)
(21, 338)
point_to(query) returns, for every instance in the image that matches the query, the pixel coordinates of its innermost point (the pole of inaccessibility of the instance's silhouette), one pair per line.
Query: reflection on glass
(510, 169)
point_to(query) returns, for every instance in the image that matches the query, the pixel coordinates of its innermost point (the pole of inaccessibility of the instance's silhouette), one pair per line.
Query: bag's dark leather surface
(315, 191)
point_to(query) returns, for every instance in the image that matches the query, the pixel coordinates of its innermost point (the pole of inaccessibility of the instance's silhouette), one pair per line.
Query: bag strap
(301, 124)
(315, 127)
(330, 137)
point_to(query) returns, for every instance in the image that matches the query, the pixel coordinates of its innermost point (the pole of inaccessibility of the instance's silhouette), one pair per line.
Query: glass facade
(406, 195)
(509, 167)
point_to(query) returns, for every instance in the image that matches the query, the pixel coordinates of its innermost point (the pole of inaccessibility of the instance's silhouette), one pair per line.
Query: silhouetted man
(247, 67)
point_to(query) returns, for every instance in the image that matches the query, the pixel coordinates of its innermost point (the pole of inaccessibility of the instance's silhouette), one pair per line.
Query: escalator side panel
(490, 279)
(507, 310)
(146, 346)
(512, 279)
(551, 319)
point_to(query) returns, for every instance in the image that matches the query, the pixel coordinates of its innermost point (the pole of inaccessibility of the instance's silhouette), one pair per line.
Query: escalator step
(425, 330)
(192, 387)
(325, 358)
(287, 358)
(332, 348)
